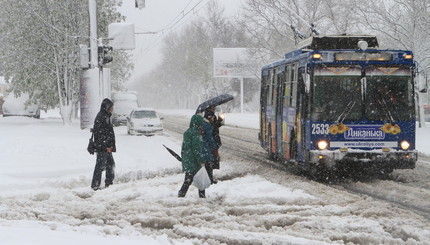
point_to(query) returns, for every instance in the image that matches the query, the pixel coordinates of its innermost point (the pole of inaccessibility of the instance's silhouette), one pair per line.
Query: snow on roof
(2, 80)
(144, 109)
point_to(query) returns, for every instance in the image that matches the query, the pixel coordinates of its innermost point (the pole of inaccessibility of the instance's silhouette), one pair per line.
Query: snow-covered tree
(271, 22)
(397, 23)
(185, 75)
(403, 24)
(39, 49)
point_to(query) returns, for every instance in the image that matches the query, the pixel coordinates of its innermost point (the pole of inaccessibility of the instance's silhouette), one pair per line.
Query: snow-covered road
(408, 190)
(44, 193)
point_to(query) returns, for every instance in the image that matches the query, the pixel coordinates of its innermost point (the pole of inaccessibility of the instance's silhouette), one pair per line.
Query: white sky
(155, 17)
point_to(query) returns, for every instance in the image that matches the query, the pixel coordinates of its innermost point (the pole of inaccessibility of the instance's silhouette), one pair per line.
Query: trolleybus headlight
(316, 56)
(322, 144)
(405, 145)
(408, 56)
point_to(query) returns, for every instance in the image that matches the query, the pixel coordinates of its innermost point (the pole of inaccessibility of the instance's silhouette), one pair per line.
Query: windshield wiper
(346, 111)
(387, 112)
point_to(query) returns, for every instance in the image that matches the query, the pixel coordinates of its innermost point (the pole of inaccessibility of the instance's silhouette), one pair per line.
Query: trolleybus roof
(336, 42)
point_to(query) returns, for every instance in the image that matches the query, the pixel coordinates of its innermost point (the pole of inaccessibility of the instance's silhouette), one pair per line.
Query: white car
(16, 106)
(144, 121)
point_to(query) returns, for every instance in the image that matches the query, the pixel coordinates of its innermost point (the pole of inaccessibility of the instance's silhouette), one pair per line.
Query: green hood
(197, 121)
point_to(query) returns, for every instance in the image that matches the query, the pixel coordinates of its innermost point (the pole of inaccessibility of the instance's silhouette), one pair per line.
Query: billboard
(236, 62)
(121, 36)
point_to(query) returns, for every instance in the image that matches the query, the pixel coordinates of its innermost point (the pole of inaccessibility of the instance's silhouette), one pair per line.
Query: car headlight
(322, 144)
(405, 145)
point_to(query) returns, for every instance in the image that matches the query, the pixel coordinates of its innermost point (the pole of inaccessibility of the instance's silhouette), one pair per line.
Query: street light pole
(90, 85)
(92, 6)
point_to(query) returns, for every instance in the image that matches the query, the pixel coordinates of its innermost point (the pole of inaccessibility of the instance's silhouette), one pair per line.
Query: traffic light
(103, 58)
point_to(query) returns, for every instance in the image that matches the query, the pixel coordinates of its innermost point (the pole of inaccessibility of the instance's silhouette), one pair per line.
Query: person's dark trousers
(104, 162)
(210, 170)
(187, 182)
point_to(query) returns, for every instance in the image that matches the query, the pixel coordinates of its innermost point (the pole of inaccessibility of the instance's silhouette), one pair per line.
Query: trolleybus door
(279, 109)
(300, 116)
(270, 125)
(274, 79)
(287, 114)
(289, 99)
(264, 119)
(294, 125)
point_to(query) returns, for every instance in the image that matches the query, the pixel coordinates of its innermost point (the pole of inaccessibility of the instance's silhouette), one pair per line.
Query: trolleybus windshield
(389, 94)
(337, 94)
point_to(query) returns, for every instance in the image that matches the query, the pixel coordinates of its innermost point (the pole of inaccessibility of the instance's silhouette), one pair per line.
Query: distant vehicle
(17, 106)
(144, 121)
(124, 103)
(1, 104)
(427, 113)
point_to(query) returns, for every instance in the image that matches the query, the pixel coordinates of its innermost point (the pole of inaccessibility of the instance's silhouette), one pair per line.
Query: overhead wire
(145, 47)
(170, 27)
(182, 12)
(165, 29)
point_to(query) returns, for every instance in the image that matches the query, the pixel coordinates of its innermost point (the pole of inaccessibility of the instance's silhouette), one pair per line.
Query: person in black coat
(216, 122)
(104, 139)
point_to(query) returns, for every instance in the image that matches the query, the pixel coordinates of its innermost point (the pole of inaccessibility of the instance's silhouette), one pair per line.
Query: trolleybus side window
(274, 89)
(263, 92)
(281, 88)
(294, 85)
(270, 88)
(287, 92)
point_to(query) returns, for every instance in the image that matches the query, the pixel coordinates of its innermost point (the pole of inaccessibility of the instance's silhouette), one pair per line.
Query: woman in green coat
(192, 153)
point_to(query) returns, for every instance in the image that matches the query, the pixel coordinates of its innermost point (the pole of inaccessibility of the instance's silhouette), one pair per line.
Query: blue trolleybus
(339, 103)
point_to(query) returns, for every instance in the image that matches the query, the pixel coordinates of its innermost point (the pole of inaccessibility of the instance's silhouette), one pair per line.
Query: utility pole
(92, 7)
(95, 84)
(90, 85)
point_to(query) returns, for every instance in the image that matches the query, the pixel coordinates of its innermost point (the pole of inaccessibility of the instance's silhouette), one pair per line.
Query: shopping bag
(201, 179)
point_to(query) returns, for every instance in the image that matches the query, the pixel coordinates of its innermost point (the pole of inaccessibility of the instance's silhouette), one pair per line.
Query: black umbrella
(173, 153)
(216, 101)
